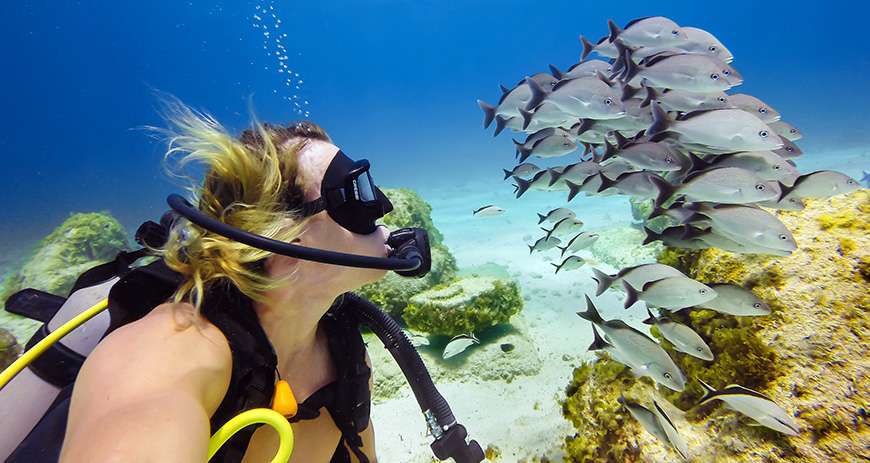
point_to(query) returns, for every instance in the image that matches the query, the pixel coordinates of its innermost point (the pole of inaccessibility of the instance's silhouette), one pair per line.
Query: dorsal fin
(635, 21)
(690, 115)
(563, 82)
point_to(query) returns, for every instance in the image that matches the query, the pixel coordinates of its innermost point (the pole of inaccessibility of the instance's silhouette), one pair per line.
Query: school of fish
(657, 119)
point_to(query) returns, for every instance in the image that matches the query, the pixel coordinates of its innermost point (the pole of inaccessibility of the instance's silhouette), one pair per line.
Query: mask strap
(313, 207)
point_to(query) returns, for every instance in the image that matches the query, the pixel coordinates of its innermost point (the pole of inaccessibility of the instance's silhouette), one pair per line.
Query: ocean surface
(395, 82)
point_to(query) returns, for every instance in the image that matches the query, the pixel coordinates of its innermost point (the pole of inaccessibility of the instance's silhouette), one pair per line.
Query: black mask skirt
(349, 196)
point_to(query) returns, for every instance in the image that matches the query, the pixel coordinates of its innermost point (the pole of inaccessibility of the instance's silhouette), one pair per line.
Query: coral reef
(9, 348)
(464, 306)
(82, 241)
(393, 291)
(808, 355)
(410, 210)
(621, 247)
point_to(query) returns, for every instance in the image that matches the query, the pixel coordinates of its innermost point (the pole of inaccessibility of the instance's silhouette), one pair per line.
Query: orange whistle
(284, 402)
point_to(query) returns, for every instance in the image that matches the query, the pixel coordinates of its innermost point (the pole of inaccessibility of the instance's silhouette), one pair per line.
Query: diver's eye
(763, 134)
(762, 110)
(608, 101)
(759, 187)
(757, 305)
(712, 48)
(714, 76)
(726, 72)
(667, 375)
(783, 237)
(722, 99)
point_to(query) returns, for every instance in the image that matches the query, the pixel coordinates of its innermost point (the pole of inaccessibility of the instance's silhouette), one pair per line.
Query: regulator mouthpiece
(411, 244)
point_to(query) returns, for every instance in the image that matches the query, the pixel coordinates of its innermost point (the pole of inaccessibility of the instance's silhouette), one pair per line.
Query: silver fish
(577, 172)
(674, 437)
(585, 68)
(640, 185)
(722, 129)
(637, 118)
(581, 241)
(539, 181)
(685, 72)
(614, 168)
(525, 169)
(789, 149)
(821, 184)
(784, 204)
(683, 101)
(653, 31)
(555, 215)
(643, 354)
(657, 156)
(750, 225)
(674, 237)
(565, 226)
(585, 97)
(570, 263)
(671, 293)
(702, 42)
(684, 339)
(489, 210)
(755, 106)
(715, 240)
(545, 115)
(786, 130)
(767, 165)
(646, 418)
(544, 244)
(417, 340)
(517, 97)
(603, 47)
(754, 405)
(559, 143)
(729, 185)
(458, 345)
(636, 276)
(735, 300)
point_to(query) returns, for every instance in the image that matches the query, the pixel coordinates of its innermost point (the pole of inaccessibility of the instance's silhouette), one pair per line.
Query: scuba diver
(246, 304)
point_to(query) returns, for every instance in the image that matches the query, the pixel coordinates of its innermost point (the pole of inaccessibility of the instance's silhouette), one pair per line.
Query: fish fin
(562, 249)
(527, 117)
(630, 69)
(538, 94)
(665, 189)
(604, 281)
(598, 342)
(605, 182)
(541, 218)
(660, 121)
(785, 190)
(708, 391)
(557, 268)
(573, 189)
(522, 186)
(488, 112)
(613, 29)
(531, 249)
(591, 312)
(650, 96)
(548, 232)
(652, 318)
(697, 164)
(556, 72)
(587, 47)
(628, 91)
(523, 152)
(507, 174)
(650, 236)
(504, 89)
(554, 177)
(630, 294)
(609, 150)
(500, 124)
(690, 233)
(581, 127)
(604, 78)
(621, 141)
(587, 148)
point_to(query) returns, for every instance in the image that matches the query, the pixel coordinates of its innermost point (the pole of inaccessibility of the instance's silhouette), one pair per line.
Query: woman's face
(323, 232)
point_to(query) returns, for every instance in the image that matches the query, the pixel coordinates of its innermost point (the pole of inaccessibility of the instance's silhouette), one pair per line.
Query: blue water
(394, 81)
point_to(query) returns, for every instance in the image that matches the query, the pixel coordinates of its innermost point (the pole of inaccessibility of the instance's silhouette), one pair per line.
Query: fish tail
(708, 391)
(628, 91)
(598, 342)
(582, 126)
(541, 218)
(488, 112)
(591, 312)
(523, 151)
(522, 186)
(556, 72)
(587, 47)
(500, 124)
(563, 250)
(507, 174)
(605, 182)
(621, 141)
(531, 249)
(573, 189)
(587, 148)
(664, 188)
(651, 96)
(557, 267)
(697, 164)
(652, 318)
(661, 122)
(554, 177)
(527, 117)
(604, 281)
(537, 94)
(650, 236)
(609, 150)
(629, 68)
(613, 29)
(630, 294)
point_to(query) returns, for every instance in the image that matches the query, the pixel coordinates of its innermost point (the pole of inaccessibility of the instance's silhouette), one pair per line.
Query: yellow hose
(257, 415)
(47, 341)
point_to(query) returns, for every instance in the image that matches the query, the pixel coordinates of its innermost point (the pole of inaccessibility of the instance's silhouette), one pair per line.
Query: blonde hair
(251, 182)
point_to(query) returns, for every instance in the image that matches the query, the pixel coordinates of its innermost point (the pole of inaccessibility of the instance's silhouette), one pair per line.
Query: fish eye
(762, 110)
(722, 99)
(777, 167)
(608, 101)
(757, 305)
(850, 182)
(726, 72)
(667, 375)
(714, 76)
(783, 237)
(699, 349)
(763, 134)
(712, 48)
(759, 187)
(669, 160)
(675, 32)
(789, 149)
(702, 291)
(792, 131)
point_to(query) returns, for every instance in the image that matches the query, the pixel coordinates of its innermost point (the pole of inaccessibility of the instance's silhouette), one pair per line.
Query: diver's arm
(147, 391)
(368, 434)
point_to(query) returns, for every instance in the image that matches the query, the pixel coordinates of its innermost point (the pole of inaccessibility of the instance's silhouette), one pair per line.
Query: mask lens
(365, 187)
